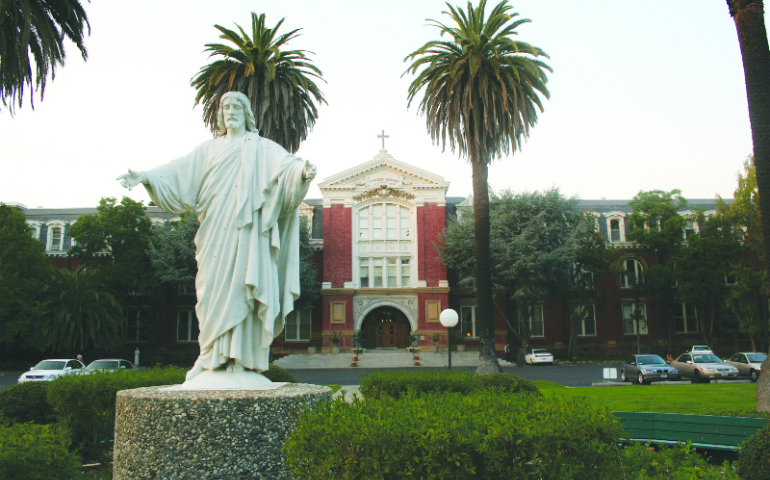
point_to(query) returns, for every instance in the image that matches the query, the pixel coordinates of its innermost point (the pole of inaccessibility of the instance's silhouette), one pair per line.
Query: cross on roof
(383, 137)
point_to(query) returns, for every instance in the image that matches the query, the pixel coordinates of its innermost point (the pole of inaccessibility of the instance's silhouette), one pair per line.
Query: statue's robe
(246, 193)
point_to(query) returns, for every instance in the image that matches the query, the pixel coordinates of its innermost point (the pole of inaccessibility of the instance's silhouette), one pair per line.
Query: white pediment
(383, 170)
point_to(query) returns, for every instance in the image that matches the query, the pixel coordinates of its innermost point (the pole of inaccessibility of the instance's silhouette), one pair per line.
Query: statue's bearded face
(232, 111)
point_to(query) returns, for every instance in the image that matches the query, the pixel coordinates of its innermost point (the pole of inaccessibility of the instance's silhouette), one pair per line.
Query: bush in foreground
(478, 435)
(36, 452)
(85, 404)
(754, 456)
(397, 383)
(278, 374)
(26, 402)
(639, 461)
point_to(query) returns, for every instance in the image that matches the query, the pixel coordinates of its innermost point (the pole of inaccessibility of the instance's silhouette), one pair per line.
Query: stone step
(376, 359)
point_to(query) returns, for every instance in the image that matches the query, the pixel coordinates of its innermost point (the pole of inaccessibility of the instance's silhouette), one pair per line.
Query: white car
(538, 355)
(48, 370)
(700, 349)
(108, 365)
(748, 363)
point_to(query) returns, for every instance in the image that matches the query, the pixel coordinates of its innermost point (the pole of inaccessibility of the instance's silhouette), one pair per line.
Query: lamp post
(448, 319)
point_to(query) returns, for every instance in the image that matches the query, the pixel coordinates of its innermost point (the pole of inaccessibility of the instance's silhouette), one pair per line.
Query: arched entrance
(385, 327)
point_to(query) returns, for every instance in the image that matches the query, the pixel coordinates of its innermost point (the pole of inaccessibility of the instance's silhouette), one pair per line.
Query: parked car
(48, 370)
(703, 367)
(748, 363)
(538, 355)
(700, 349)
(108, 365)
(646, 368)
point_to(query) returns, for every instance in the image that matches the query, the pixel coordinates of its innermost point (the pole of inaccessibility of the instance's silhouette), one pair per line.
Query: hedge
(37, 452)
(397, 383)
(481, 435)
(26, 402)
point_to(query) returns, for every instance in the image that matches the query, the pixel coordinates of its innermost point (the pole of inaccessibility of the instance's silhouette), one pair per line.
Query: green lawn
(695, 399)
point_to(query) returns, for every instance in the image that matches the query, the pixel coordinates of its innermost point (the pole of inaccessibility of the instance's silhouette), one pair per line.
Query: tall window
(689, 227)
(383, 221)
(616, 226)
(378, 272)
(587, 326)
(137, 325)
(297, 327)
(186, 326)
(536, 322)
(633, 273)
(614, 230)
(468, 322)
(634, 317)
(685, 318)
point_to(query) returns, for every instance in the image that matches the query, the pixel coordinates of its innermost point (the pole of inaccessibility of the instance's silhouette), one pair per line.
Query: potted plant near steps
(436, 338)
(358, 338)
(311, 344)
(460, 344)
(336, 339)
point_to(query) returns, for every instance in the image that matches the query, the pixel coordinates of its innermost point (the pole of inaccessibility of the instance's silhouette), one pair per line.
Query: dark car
(646, 368)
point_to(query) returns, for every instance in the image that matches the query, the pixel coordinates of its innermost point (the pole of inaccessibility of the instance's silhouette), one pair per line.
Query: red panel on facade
(338, 245)
(431, 222)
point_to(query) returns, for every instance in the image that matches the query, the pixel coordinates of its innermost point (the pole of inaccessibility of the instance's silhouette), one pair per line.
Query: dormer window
(55, 240)
(616, 227)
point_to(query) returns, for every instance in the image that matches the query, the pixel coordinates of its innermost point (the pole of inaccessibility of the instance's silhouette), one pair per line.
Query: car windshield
(706, 358)
(102, 365)
(756, 357)
(650, 360)
(49, 365)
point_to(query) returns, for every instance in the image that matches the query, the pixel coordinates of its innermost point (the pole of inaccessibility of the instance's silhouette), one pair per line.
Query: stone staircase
(376, 359)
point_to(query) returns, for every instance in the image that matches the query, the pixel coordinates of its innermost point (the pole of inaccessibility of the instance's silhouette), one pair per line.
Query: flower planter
(335, 349)
(461, 348)
(354, 364)
(434, 348)
(312, 349)
(416, 364)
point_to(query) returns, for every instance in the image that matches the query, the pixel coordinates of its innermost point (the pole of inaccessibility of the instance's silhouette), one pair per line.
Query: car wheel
(641, 379)
(754, 375)
(623, 375)
(696, 378)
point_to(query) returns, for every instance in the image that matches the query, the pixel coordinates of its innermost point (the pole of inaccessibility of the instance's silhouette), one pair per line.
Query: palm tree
(278, 82)
(79, 313)
(38, 28)
(482, 90)
(752, 36)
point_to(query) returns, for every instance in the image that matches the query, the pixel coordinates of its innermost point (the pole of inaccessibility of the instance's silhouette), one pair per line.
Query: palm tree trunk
(752, 36)
(485, 321)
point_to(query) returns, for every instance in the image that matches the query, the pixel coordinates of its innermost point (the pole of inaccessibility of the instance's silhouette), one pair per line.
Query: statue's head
(243, 100)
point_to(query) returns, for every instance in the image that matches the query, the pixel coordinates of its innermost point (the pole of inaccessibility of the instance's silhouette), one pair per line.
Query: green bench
(704, 431)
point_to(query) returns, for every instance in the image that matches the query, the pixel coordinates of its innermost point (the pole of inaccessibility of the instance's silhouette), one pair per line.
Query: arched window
(383, 221)
(55, 240)
(632, 274)
(384, 246)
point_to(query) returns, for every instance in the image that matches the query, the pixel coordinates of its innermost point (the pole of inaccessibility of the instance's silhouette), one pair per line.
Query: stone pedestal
(207, 434)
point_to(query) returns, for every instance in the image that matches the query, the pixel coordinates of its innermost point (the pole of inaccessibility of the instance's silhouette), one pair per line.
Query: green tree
(702, 267)
(310, 290)
(116, 239)
(24, 271)
(78, 313)
(278, 82)
(481, 93)
(37, 29)
(657, 227)
(752, 35)
(535, 241)
(172, 250)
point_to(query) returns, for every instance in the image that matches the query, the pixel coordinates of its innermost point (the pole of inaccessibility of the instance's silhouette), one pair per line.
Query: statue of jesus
(245, 191)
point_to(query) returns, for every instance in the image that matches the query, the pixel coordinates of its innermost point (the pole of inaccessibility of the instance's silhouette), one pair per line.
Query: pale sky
(644, 95)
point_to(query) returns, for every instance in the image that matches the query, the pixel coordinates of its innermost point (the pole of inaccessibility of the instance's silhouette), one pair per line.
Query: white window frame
(690, 216)
(532, 334)
(582, 331)
(638, 271)
(642, 327)
(399, 234)
(192, 324)
(465, 310)
(143, 320)
(296, 319)
(684, 317)
(401, 262)
(621, 218)
(37, 227)
(49, 237)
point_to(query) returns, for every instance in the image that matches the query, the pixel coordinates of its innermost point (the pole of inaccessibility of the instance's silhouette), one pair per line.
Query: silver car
(748, 363)
(108, 365)
(702, 367)
(48, 370)
(646, 368)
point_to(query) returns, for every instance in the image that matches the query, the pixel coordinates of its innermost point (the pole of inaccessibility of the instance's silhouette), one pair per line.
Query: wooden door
(387, 335)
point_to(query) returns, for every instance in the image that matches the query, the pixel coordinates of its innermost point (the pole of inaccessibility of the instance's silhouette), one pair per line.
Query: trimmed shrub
(754, 456)
(397, 383)
(36, 452)
(26, 402)
(278, 374)
(465, 436)
(85, 404)
(680, 462)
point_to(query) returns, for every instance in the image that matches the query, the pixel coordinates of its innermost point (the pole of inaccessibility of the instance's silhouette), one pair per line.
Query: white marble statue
(245, 191)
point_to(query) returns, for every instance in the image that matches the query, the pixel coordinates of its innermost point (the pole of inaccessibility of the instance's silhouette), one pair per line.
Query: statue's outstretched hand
(132, 179)
(310, 171)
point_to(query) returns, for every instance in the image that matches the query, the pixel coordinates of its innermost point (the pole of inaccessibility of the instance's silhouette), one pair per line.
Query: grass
(693, 399)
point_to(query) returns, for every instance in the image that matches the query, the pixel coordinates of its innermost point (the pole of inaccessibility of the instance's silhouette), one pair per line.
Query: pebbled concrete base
(211, 434)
